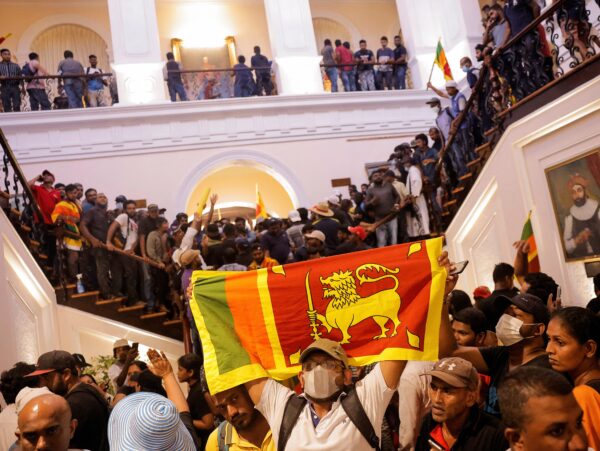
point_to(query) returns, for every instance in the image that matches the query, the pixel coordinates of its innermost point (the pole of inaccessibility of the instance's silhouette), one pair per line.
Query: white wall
(514, 182)
(159, 152)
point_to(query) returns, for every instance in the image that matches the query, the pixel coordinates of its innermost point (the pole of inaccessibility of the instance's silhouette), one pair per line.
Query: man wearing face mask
(521, 331)
(327, 416)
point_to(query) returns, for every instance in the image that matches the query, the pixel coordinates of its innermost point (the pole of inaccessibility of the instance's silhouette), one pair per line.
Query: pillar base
(140, 83)
(299, 75)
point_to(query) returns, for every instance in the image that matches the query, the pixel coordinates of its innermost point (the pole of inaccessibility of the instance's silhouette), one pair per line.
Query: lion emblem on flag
(347, 308)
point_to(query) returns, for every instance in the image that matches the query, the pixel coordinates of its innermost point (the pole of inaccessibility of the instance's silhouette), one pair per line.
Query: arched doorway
(236, 184)
(329, 29)
(51, 43)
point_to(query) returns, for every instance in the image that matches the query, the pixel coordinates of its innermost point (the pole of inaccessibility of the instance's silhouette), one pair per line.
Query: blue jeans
(332, 74)
(176, 88)
(74, 93)
(400, 77)
(387, 233)
(349, 80)
(148, 292)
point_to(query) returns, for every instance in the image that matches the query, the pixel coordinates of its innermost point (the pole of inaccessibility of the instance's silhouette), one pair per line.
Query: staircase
(20, 207)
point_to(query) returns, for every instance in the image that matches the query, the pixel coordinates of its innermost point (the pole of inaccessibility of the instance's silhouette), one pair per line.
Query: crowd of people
(517, 370)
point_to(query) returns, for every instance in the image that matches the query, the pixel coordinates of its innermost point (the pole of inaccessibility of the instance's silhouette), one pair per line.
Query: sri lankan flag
(532, 256)
(442, 62)
(261, 211)
(380, 304)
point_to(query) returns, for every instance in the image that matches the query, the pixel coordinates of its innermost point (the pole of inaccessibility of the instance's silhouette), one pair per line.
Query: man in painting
(582, 225)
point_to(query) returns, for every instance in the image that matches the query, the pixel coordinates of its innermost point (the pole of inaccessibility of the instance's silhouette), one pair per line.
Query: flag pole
(433, 64)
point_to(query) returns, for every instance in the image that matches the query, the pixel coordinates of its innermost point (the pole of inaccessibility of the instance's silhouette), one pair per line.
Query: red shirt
(345, 57)
(438, 436)
(46, 200)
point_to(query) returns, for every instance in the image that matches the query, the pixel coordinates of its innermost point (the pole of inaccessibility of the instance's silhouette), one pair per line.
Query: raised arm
(437, 91)
(255, 388)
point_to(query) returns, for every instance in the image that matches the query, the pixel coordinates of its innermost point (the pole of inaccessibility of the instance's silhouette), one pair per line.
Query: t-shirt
(129, 229)
(70, 66)
(147, 225)
(334, 431)
(327, 54)
(427, 168)
(237, 443)
(329, 227)
(345, 56)
(47, 200)
(400, 51)
(386, 196)
(497, 360)
(383, 56)
(498, 33)
(364, 56)
(97, 222)
(94, 84)
(277, 245)
(519, 14)
(198, 408)
(90, 409)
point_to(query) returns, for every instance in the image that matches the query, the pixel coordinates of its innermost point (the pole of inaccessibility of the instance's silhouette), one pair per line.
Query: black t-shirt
(330, 228)
(398, 52)
(492, 309)
(146, 226)
(90, 410)
(198, 408)
(497, 360)
(277, 245)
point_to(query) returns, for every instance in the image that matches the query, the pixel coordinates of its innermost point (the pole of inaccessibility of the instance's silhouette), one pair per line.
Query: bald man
(46, 424)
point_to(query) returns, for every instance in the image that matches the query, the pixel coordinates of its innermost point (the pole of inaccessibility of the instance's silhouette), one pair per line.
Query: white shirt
(413, 392)
(8, 425)
(133, 230)
(583, 213)
(335, 431)
(113, 373)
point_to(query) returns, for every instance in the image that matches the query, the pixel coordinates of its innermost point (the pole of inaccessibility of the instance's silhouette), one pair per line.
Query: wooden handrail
(51, 76)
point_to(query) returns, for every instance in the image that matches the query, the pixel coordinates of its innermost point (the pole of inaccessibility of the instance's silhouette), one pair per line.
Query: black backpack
(351, 405)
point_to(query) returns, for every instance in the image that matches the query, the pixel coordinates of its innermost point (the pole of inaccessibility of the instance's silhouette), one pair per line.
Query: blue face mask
(465, 69)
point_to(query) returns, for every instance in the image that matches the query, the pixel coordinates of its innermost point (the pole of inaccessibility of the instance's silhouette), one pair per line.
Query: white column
(294, 48)
(423, 22)
(136, 47)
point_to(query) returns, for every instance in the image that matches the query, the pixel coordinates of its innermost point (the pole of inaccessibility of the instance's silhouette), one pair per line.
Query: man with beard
(582, 225)
(245, 428)
(94, 227)
(456, 421)
(58, 371)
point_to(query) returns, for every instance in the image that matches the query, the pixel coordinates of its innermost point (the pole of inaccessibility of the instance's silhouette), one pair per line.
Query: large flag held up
(380, 304)
(442, 62)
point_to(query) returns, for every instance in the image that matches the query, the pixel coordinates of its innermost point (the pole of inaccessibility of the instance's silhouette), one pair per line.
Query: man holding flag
(254, 326)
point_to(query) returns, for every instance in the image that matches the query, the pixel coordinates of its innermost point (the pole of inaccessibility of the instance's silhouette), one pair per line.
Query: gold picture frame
(205, 58)
(572, 219)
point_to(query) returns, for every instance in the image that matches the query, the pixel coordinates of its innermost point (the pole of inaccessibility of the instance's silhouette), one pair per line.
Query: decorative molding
(93, 133)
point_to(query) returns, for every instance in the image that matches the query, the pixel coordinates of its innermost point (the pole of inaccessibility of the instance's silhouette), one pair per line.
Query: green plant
(99, 369)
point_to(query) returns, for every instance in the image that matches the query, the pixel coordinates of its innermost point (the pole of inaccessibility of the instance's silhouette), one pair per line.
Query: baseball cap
(456, 372)
(433, 101)
(358, 231)
(294, 216)
(121, 342)
(530, 304)
(120, 198)
(27, 394)
(317, 235)
(329, 347)
(47, 172)
(482, 292)
(152, 207)
(80, 360)
(53, 361)
(334, 200)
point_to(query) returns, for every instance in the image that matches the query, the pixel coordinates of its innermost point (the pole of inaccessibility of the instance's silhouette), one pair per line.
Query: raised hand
(159, 364)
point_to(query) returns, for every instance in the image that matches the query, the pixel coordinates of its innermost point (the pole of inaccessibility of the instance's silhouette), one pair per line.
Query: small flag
(442, 62)
(261, 211)
(203, 200)
(4, 38)
(532, 256)
(380, 304)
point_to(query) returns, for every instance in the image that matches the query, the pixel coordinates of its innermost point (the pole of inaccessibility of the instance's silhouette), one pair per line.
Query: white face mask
(319, 383)
(508, 330)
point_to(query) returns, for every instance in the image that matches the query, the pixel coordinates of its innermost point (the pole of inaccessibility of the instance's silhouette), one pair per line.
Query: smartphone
(558, 293)
(459, 268)
(435, 446)
(135, 346)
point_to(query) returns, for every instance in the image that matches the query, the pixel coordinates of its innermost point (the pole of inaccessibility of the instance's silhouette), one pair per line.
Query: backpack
(224, 435)
(351, 405)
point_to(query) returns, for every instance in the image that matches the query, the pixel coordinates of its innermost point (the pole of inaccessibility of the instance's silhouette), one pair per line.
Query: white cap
(334, 200)
(27, 394)
(294, 216)
(451, 84)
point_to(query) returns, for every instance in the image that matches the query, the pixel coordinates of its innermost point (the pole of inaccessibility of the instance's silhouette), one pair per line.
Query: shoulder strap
(293, 408)
(224, 436)
(355, 411)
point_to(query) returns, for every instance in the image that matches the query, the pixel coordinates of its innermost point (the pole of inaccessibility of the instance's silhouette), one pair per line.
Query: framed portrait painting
(575, 192)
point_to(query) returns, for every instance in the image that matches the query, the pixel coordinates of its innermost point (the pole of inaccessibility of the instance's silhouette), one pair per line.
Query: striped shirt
(9, 69)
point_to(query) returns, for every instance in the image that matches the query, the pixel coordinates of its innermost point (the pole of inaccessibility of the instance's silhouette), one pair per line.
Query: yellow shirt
(238, 443)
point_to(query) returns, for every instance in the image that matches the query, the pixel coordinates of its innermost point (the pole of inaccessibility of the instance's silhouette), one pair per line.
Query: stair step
(492, 130)
(172, 322)
(154, 315)
(445, 213)
(466, 177)
(475, 162)
(25, 228)
(458, 191)
(42, 256)
(85, 294)
(131, 308)
(69, 286)
(110, 301)
(483, 148)
(450, 203)
(34, 243)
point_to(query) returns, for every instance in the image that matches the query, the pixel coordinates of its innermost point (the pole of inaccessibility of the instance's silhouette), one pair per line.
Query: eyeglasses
(332, 365)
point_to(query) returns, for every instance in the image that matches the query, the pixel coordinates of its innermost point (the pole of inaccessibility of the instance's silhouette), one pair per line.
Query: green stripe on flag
(527, 230)
(210, 295)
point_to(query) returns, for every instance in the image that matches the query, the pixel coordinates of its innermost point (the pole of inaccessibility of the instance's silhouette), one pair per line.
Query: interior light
(202, 25)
